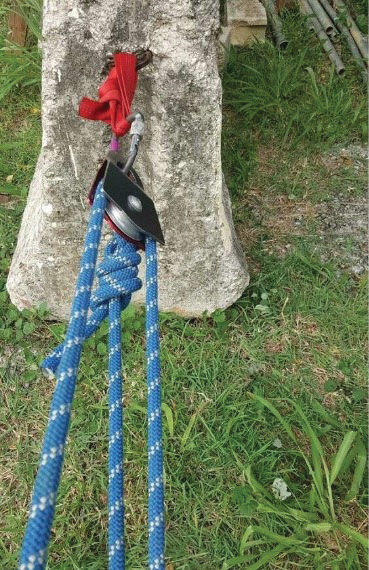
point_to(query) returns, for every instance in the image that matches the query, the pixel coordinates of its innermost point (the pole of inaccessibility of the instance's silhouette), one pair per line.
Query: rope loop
(117, 273)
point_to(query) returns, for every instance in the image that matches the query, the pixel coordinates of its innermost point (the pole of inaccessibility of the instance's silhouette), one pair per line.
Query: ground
(272, 388)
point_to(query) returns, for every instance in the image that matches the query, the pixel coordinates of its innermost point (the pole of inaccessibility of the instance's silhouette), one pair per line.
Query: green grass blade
(255, 485)
(289, 513)
(252, 543)
(187, 431)
(319, 527)
(358, 474)
(275, 412)
(267, 557)
(353, 534)
(232, 562)
(169, 417)
(274, 537)
(316, 449)
(342, 452)
(248, 532)
(317, 407)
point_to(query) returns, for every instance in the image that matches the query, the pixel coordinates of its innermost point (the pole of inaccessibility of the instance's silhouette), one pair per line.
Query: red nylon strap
(115, 96)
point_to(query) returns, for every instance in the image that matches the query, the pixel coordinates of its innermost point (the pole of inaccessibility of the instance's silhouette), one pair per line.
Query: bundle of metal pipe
(358, 37)
(323, 20)
(314, 24)
(348, 37)
(275, 23)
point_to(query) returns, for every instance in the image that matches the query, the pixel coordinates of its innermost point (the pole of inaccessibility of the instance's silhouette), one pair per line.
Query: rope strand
(154, 419)
(37, 534)
(117, 275)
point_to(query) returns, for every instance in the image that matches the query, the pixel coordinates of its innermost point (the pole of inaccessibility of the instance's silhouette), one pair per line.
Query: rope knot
(117, 273)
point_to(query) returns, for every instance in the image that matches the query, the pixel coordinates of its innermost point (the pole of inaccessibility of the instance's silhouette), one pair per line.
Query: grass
(285, 364)
(292, 98)
(20, 66)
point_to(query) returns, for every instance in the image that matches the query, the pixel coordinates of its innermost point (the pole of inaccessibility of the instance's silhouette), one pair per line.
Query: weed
(20, 67)
(296, 337)
(311, 531)
(291, 96)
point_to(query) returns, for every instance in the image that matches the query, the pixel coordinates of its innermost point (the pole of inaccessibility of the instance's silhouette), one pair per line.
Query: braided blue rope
(118, 279)
(155, 450)
(37, 535)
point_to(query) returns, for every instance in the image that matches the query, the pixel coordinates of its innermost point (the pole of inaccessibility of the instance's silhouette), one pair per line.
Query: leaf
(42, 310)
(103, 330)
(12, 315)
(318, 527)
(28, 328)
(263, 309)
(169, 417)
(19, 335)
(343, 450)
(243, 499)
(354, 534)
(126, 336)
(248, 532)
(358, 473)
(187, 431)
(275, 412)
(237, 561)
(330, 385)
(267, 557)
(101, 348)
(358, 394)
(30, 375)
(219, 316)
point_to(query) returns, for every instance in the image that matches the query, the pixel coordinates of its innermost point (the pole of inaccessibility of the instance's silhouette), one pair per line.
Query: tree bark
(201, 266)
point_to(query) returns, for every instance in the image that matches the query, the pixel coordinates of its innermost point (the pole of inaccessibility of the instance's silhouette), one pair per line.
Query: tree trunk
(201, 265)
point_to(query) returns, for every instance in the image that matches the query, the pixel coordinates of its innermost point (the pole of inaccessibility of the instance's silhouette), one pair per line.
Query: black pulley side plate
(133, 201)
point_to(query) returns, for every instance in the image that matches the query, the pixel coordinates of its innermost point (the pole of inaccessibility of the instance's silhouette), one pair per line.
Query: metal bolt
(134, 203)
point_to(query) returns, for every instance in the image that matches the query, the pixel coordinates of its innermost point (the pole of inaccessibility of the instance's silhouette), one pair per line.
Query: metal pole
(275, 23)
(326, 43)
(350, 42)
(361, 43)
(324, 19)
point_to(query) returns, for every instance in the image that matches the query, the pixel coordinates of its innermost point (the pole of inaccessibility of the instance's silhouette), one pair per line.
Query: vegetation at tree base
(272, 388)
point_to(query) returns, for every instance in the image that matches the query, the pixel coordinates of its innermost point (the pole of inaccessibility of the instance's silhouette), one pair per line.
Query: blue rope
(155, 450)
(117, 275)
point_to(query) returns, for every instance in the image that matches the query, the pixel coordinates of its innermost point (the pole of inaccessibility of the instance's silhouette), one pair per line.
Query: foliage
(20, 67)
(291, 96)
(310, 528)
(298, 333)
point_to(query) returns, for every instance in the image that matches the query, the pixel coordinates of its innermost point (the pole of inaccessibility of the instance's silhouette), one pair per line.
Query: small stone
(279, 489)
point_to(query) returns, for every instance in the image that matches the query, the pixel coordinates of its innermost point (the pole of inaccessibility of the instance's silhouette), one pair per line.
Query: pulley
(129, 211)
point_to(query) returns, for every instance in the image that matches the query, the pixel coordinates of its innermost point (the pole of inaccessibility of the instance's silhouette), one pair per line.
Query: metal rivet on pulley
(134, 203)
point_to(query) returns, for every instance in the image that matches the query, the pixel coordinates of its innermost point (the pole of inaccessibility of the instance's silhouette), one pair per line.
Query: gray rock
(201, 267)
